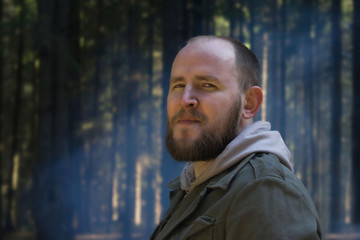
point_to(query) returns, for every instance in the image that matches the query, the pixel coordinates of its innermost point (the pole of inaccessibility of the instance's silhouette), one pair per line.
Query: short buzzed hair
(247, 63)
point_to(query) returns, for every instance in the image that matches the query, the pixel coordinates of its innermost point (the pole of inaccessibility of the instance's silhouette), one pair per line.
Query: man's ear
(252, 103)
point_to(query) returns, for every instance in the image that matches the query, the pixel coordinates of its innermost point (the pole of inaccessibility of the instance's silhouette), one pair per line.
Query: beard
(210, 143)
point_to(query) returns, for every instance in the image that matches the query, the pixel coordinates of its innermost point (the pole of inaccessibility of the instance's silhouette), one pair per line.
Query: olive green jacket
(257, 198)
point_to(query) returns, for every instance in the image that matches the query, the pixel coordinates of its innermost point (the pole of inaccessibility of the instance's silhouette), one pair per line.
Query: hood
(256, 137)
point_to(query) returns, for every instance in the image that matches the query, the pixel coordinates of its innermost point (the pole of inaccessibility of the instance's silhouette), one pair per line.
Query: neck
(201, 166)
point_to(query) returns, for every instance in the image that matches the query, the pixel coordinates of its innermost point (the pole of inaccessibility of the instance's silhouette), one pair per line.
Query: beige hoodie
(257, 137)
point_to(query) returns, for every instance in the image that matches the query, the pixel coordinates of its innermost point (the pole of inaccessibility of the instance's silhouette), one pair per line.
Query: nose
(189, 99)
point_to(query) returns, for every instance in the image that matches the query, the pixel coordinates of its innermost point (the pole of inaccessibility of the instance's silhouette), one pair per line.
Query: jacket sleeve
(273, 208)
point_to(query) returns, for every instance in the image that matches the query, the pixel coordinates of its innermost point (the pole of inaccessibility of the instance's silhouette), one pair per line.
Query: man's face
(204, 104)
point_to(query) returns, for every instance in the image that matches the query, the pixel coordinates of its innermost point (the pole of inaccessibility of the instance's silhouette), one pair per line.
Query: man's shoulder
(265, 171)
(263, 167)
(267, 165)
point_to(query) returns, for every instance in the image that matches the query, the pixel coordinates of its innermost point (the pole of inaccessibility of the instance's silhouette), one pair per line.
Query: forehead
(212, 49)
(203, 56)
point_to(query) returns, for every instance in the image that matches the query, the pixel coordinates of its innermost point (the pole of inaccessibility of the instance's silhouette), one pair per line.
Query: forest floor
(31, 236)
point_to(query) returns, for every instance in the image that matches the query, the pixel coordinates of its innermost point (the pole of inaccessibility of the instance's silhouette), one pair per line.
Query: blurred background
(83, 87)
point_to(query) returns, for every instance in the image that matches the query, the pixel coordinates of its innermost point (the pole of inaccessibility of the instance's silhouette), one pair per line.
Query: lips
(188, 121)
(187, 118)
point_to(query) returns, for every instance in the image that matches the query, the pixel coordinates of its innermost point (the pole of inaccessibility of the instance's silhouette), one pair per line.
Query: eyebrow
(207, 78)
(176, 79)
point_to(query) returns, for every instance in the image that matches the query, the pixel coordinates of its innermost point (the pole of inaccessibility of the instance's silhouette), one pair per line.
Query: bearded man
(238, 182)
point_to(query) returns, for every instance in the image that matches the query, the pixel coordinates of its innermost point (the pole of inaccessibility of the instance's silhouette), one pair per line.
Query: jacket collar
(222, 180)
(174, 184)
(177, 213)
(190, 204)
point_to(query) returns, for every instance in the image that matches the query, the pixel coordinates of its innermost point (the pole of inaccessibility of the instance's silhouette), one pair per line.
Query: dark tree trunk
(197, 17)
(53, 206)
(131, 119)
(282, 69)
(316, 173)
(273, 82)
(256, 38)
(42, 189)
(11, 199)
(119, 100)
(185, 23)
(1, 117)
(115, 99)
(232, 17)
(241, 21)
(307, 82)
(130, 156)
(115, 131)
(356, 115)
(61, 163)
(310, 94)
(97, 86)
(310, 105)
(209, 6)
(119, 75)
(336, 111)
(76, 141)
(251, 6)
(150, 203)
(171, 43)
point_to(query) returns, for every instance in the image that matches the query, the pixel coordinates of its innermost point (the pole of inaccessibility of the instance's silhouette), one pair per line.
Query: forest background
(83, 87)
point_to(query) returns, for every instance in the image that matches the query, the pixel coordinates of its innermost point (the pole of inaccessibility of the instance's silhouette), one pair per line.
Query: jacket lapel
(182, 211)
(181, 207)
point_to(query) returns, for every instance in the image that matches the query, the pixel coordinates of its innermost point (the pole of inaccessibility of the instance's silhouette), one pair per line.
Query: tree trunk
(209, 6)
(119, 77)
(241, 21)
(151, 201)
(64, 178)
(11, 199)
(232, 17)
(317, 172)
(273, 85)
(115, 147)
(307, 82)
(76, 141)
(251, 7)
(171, 43)
(1, 117)
(131, 119)
(356, 115)
(282, 69)
(185, 22)
(336, 111)
(198, 10)
(42, 189)
(310, 106)
(310, 103)
(53, 206)
(93, 209)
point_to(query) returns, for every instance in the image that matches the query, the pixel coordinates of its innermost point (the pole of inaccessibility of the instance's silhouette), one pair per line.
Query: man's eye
(209, 85)
(179, 86)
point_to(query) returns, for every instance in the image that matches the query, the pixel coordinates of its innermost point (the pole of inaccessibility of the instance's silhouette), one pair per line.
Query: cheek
(172, 105)
(221, 110)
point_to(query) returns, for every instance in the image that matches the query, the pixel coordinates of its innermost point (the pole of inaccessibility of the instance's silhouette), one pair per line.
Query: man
(238, 182)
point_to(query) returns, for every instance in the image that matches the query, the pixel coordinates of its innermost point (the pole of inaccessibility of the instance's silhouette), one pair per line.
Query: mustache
(190, 113)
